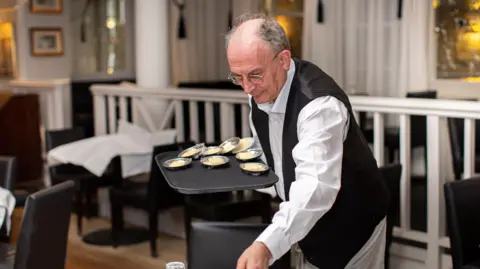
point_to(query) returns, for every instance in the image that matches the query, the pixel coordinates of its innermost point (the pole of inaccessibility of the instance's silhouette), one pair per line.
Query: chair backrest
(220, 244)
(159, 192)
(392, 175)
(456, 135)
(58, 138)
(42, 241)
(462, 201)
(8, 171)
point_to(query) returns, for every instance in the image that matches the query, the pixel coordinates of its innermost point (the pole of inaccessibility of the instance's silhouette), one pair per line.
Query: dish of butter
(245, 155)
(212, 151)
(214, 160)
(177, 163)
(254, 167)
(190, 152)
(244, 144)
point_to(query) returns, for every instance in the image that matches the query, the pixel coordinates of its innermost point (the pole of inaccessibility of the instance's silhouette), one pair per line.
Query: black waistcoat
(363, 198)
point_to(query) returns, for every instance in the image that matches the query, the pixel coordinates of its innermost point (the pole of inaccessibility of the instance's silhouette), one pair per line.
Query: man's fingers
(242, 262)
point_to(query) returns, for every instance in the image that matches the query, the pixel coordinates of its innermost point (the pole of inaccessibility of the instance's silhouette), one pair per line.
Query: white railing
(107, 98)
(54, 100)
(439, 167)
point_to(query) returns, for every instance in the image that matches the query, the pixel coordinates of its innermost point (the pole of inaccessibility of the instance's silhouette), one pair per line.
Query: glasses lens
(235, 80)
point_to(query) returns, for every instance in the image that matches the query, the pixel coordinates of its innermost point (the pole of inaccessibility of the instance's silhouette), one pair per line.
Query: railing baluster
(435, 180)
(245, 121)
(193, 111)
(100, 113)
(179, 121)
(469, 149)
(112, 114)
(378, 138)
(123, 107)
(405, 160)
(209, 123)
(227, 120)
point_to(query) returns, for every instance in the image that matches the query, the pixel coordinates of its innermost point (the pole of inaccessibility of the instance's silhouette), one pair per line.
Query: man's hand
(257, 256)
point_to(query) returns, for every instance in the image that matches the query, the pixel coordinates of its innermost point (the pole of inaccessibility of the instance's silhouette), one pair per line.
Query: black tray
(197, 179)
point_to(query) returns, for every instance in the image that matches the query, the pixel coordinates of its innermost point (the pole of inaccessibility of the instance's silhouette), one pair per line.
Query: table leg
(129, 236)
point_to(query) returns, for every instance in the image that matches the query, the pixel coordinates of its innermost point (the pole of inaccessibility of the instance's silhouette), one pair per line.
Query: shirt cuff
(276, 241)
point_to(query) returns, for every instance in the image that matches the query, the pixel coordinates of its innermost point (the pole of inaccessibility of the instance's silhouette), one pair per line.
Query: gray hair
(269, 31)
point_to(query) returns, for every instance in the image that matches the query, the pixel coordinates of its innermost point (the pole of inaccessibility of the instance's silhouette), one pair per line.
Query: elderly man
(335, 202)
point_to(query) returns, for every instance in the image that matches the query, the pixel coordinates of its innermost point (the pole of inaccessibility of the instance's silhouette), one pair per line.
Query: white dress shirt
(322, 127)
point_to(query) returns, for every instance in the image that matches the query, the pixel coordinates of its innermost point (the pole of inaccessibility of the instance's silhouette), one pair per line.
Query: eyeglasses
(252, 78)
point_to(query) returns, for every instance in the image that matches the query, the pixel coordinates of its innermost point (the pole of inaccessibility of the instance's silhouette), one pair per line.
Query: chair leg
(116, 210)
(153, 228)
(88, 200)
(79, 206)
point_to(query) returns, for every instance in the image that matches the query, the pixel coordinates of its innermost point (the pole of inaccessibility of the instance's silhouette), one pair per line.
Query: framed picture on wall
(46, 6)
(46, 41)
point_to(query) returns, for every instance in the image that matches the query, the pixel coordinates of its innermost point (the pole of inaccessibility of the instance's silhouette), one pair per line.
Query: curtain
(413, 71)
(357, 44)
(201, 55)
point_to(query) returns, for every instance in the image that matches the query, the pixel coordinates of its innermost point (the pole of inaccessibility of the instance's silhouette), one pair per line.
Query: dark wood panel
(20, 135)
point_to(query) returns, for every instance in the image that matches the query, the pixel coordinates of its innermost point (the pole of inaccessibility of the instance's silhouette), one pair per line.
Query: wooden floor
(83, 256)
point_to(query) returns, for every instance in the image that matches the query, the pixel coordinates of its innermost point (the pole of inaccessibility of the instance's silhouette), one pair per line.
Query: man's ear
(285, 57)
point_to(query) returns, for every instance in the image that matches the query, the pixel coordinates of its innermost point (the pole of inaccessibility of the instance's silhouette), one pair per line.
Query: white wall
(47, 67)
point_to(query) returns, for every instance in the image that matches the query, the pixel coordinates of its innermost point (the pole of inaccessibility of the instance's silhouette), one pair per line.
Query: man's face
(258, 70)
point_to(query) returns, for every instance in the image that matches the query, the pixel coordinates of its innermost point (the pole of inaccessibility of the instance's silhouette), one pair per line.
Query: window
(102, 43)
(457, 32)
(289, 13)
(6, 50)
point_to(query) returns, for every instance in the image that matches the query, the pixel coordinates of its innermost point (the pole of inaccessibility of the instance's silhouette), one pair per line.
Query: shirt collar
(280, 104)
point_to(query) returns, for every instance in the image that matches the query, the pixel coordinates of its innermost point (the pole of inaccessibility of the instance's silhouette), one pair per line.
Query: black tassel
(182, 28)
(230, 15)
(399, 11)
(182, 31)
(320, 16)
(83, 36)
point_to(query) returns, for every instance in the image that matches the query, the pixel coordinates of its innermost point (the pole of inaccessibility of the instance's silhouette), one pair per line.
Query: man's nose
(248, 87)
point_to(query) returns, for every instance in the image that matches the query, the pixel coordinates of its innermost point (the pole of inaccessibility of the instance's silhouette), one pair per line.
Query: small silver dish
(249, 154)
(254, 168)
(193, 152)
(230, 144)
(177, 163)
(244, 144)
(209, 151)
(214, 161)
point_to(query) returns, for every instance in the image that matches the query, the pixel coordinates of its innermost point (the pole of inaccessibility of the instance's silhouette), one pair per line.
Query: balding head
(258, 54)
(254, 27)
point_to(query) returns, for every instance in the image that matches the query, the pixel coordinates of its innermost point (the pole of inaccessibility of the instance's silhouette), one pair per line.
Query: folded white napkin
(7, 205)
(96, 153)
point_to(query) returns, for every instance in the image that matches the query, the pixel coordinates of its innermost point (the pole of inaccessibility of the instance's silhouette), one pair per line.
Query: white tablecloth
(131, 142)
(7, 205)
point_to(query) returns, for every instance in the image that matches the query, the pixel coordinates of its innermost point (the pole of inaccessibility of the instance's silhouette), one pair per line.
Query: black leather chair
(391, 174)
(7, 172)
(456, 136)
(153, 196)
(219, 245)
(42, 242)
(87, 183)
(462, 201)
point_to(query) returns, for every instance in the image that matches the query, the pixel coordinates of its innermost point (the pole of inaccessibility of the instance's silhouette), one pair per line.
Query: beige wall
(47, 67)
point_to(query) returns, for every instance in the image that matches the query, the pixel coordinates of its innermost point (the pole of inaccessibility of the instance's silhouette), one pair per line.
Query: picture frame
(46, 6)
(46, 41)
